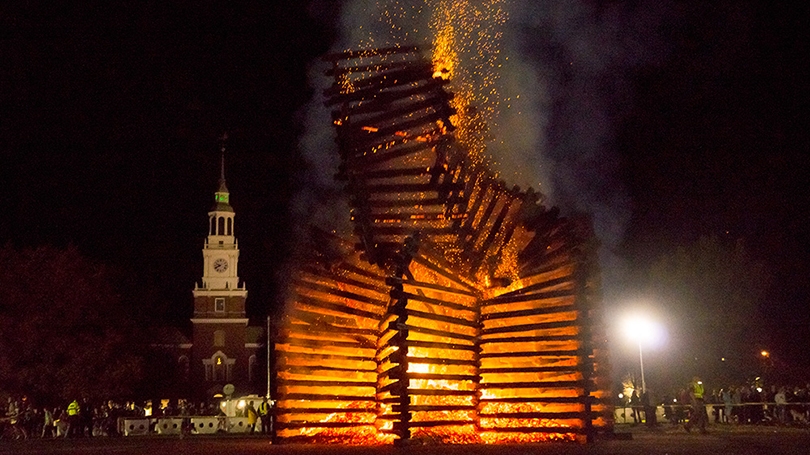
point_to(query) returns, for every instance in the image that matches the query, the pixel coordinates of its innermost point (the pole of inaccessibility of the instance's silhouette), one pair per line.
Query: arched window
(230, 226)
(183, 367)
(221, 226)
(213, 221)
(219, 338)
(219, 368)
(252, 368)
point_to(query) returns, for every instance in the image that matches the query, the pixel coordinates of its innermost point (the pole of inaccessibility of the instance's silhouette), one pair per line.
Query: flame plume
(458, 310)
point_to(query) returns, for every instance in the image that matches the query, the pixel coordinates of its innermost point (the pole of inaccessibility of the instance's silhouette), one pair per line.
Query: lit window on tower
(183, 367)
(219, 369)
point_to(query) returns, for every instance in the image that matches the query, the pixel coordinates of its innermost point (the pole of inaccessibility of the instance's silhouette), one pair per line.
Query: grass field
(721, 440)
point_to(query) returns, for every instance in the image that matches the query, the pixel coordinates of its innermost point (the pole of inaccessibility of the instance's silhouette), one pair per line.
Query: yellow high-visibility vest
(697, 389)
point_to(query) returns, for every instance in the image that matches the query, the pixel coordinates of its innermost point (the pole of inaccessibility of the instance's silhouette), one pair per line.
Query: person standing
(726, 396)
(635, 404)
(74, 424)
(736, 405)
(185, 425)
(780, 398)
(252, 416)
(650, 408)
(264, 415)
(697, 417)
(47, 424)
(86, 412)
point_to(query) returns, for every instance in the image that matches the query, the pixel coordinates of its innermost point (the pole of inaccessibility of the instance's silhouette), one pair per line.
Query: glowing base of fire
(457, 434)
(364, 435)
(486, 431)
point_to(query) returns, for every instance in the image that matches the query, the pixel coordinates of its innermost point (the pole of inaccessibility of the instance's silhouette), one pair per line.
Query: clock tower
(221, 352)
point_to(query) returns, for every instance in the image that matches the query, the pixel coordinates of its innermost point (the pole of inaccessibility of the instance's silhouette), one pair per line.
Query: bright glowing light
(759, 389)
(621, 395)
(765, 353)
(241, 404)
(643, 330)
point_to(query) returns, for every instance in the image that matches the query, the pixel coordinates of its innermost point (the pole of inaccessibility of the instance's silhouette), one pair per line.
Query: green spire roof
(221, 196)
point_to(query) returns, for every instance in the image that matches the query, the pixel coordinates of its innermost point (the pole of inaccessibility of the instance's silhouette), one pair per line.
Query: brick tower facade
(223, 351)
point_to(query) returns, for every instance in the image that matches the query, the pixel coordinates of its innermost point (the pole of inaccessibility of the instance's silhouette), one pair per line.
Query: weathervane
(222, 140)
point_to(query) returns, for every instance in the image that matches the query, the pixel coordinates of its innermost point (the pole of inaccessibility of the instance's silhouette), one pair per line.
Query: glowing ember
(459, 310)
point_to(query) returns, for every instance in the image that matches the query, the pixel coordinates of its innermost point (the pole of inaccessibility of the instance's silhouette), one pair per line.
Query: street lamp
(767, 364)
(641, 330)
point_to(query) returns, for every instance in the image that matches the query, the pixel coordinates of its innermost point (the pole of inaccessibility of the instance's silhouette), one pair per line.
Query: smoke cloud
(579, 59)
(320, 200)
(563, 82)
(572, 62)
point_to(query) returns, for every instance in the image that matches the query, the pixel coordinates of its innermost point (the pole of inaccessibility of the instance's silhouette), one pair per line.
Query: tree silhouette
(64, 331)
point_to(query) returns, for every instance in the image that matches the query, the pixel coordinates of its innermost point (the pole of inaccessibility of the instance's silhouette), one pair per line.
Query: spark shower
(459, 310)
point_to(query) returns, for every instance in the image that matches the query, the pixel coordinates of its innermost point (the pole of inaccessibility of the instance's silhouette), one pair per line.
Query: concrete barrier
(205, 425)
(238, 425)
(625, 414)
(134, 427)
(169, 426)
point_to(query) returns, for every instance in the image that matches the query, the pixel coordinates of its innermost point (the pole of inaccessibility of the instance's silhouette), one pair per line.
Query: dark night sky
(718, 144)
(110, 113)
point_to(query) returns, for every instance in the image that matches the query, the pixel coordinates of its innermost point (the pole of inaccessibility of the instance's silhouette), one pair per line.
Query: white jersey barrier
(174, 425)
(205, 425)
(169, 426)
(134, 427)
(625, 414)
(238, 425)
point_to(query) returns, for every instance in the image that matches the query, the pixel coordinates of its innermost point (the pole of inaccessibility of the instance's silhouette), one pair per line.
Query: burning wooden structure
(459, 310)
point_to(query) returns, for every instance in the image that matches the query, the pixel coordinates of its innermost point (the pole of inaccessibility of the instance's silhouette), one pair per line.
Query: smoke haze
(563, 83)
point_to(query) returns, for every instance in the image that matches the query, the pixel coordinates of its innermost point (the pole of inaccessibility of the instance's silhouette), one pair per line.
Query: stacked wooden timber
(536, 343)
(325, 350)
(458, 310)
(400, 166)
(428, 349)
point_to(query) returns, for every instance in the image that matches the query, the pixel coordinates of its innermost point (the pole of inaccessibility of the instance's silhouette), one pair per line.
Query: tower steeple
(220, 352)
(221, 250)
(222, 196)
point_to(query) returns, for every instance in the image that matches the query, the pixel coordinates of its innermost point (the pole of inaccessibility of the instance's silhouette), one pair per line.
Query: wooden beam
(529, 297)
(539, 311)
(528, 327)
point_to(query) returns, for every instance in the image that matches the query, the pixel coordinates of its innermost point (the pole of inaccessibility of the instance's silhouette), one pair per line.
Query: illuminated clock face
(220, 265)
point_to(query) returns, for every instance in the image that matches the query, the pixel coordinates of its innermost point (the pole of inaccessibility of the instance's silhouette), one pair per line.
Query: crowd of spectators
(754, 405)
(742, 405)
(22, 419)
